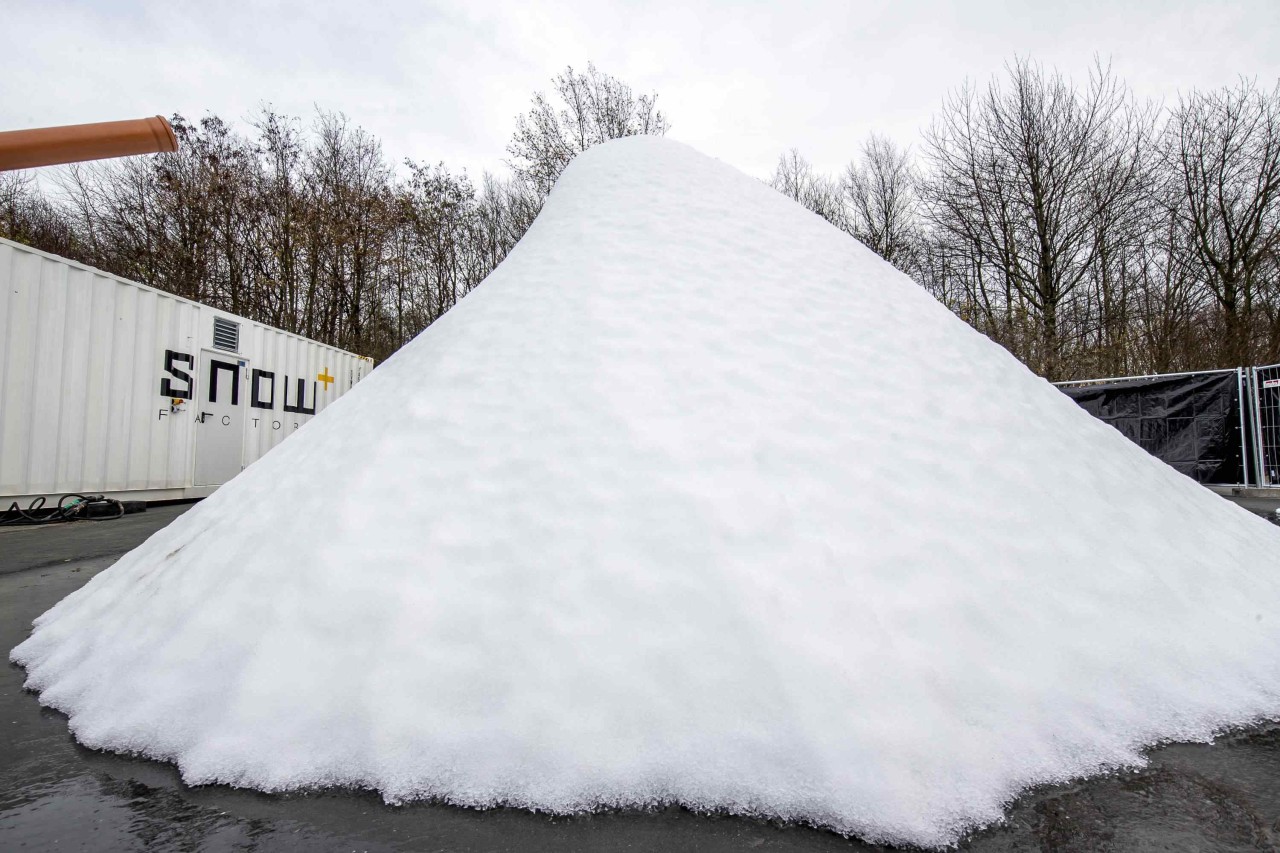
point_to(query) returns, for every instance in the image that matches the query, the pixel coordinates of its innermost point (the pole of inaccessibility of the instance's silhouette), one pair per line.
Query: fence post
(1242, 389)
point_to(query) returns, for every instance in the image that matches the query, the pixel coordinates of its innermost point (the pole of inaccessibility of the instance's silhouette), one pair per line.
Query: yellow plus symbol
(325, 378)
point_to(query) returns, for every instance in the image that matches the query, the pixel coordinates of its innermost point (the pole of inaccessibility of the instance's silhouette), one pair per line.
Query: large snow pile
(695, 500)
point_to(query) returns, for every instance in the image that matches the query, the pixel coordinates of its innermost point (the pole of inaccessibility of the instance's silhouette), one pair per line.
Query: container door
(221, 402)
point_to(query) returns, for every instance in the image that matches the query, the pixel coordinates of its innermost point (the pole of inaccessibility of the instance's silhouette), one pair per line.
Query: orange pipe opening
(74, 143)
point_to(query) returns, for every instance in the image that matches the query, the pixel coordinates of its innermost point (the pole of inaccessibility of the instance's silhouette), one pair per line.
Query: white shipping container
(111, 387)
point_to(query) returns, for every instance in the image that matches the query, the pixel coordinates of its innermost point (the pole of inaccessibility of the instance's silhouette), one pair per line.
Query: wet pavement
(1268, 508)
(56, 795)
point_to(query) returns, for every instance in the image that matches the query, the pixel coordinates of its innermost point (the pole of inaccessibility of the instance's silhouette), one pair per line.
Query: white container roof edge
(170, 295)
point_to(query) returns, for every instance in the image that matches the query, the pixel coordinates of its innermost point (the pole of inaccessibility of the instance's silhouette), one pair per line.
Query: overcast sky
(740, 81)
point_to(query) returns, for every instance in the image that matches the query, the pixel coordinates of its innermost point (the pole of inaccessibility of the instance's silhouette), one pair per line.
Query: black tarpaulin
(1191, 422)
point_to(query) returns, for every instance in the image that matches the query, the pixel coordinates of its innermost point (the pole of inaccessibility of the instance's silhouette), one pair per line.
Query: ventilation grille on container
(226, 334)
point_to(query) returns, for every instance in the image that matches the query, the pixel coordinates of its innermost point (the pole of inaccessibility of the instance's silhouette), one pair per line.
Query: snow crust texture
(694, 500)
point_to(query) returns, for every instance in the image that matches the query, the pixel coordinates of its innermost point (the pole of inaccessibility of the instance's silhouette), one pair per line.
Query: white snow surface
(694, 500)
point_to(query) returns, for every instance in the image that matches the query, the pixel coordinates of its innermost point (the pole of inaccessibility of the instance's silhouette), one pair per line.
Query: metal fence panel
(1266, 422)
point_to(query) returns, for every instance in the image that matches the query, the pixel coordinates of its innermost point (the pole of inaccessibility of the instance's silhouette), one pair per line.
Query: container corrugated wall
(84, 358)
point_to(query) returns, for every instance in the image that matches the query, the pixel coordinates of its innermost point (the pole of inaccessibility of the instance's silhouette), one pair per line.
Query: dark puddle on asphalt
(1194, 797)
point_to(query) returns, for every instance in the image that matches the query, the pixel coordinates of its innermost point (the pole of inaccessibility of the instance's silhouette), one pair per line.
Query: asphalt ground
(57, 795)
(1266, 507)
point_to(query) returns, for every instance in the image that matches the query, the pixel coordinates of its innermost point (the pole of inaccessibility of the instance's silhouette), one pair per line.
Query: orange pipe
(73, 143)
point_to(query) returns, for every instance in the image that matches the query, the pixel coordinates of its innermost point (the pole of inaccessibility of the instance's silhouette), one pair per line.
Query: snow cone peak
(694, 500)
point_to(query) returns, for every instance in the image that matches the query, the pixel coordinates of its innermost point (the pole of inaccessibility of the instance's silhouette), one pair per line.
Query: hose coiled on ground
(75, 510)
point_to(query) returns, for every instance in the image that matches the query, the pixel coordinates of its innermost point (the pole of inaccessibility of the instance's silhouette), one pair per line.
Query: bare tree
(584, 110)
(1223, 150)
(1169, 302)
(796, 178)
(16, 191)
(279, 219)
(1022, 174)
(28, 217)
(507, 207)
(882, 201)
